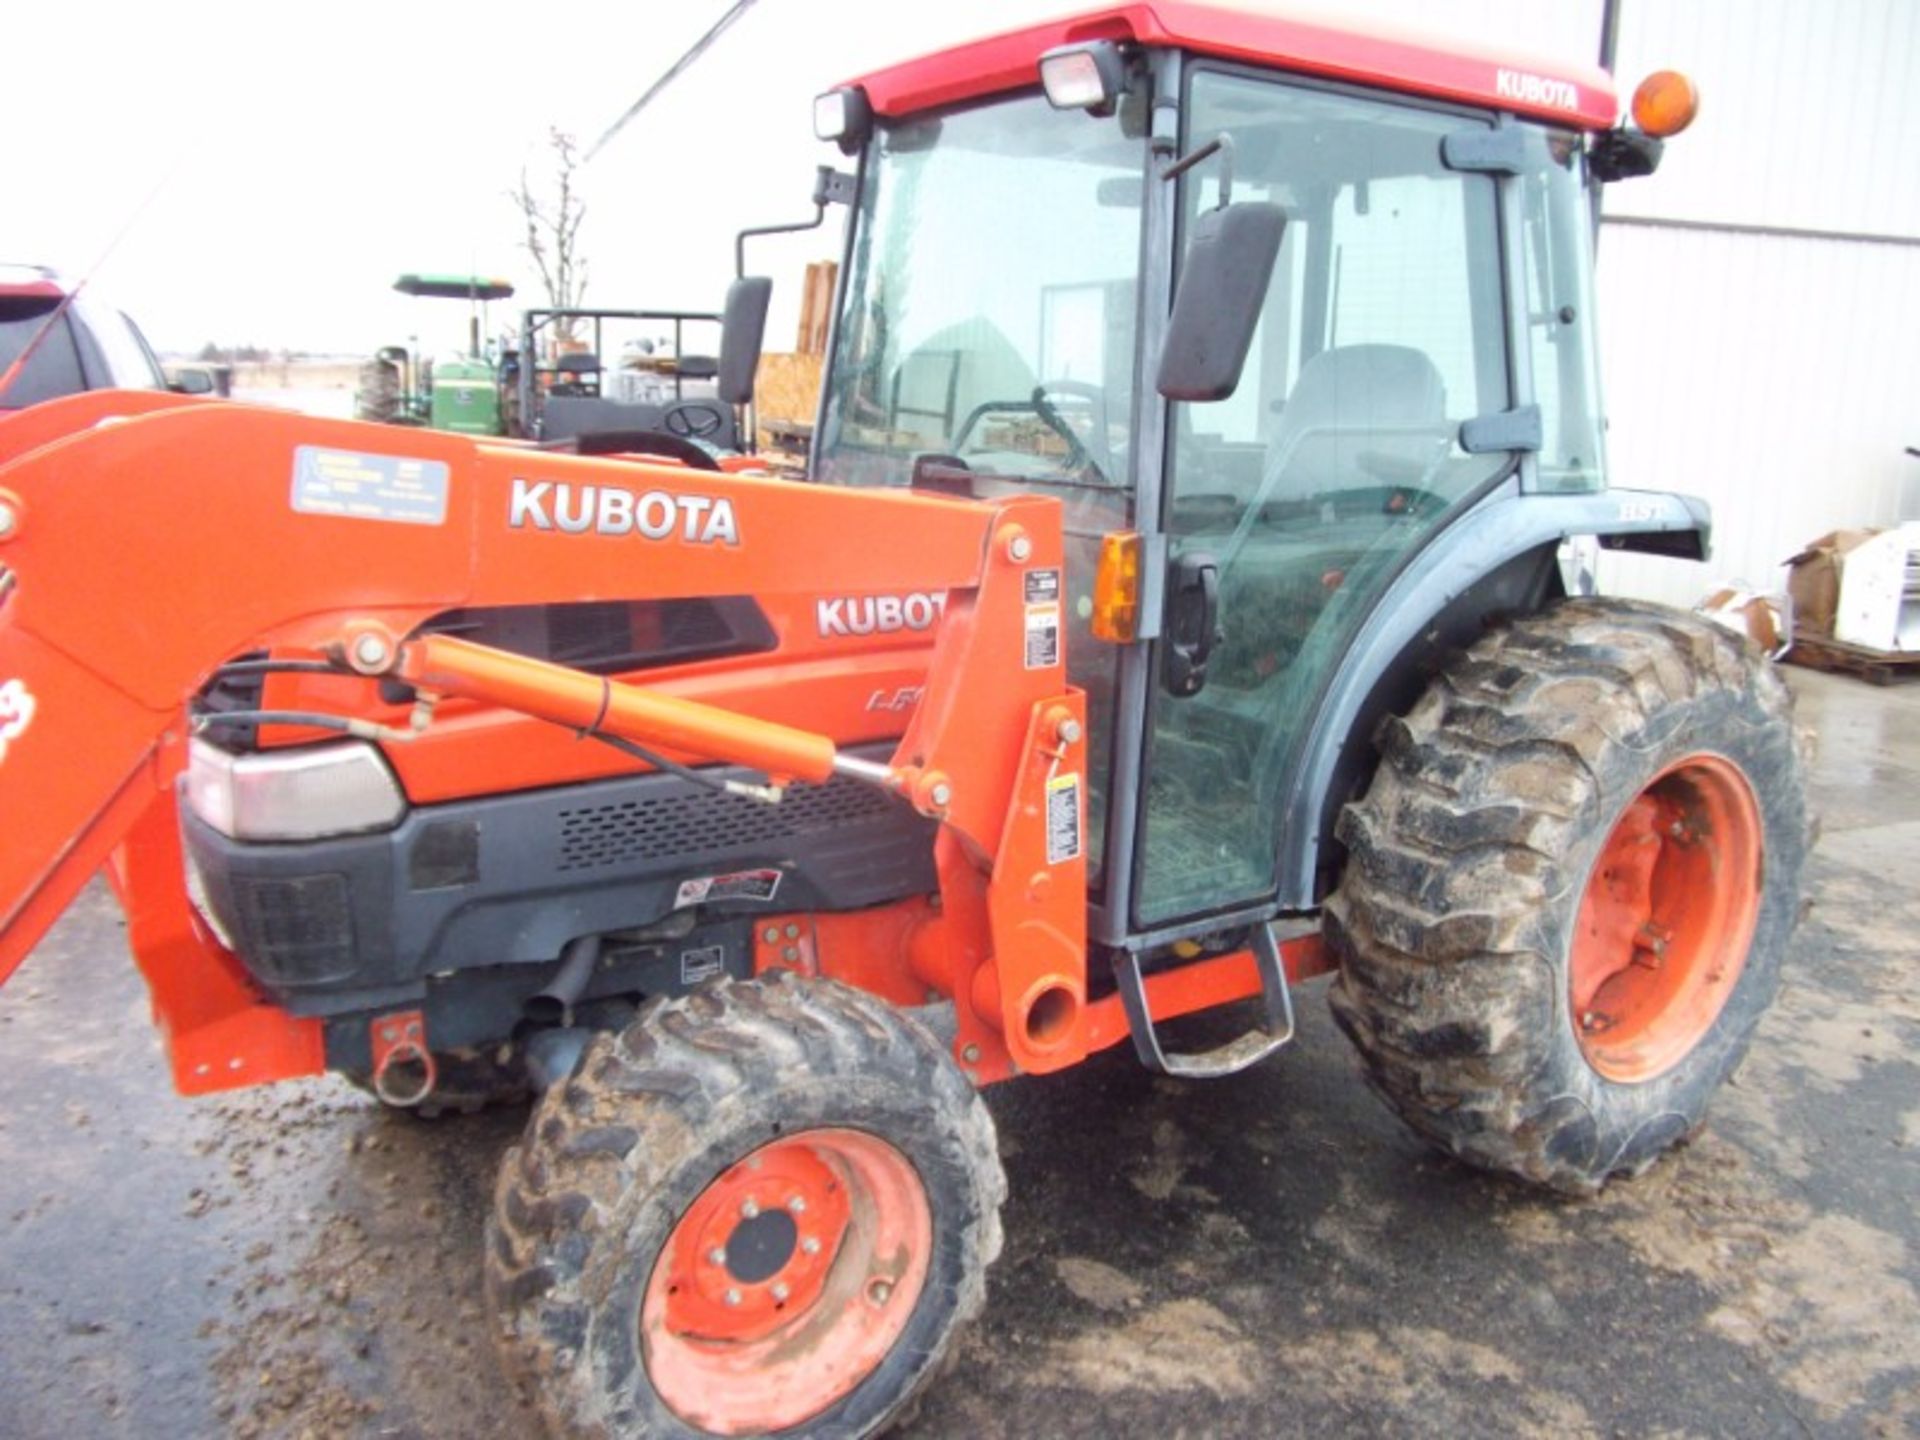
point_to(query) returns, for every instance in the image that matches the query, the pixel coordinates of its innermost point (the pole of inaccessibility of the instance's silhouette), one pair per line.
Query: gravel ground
(1261, 1256)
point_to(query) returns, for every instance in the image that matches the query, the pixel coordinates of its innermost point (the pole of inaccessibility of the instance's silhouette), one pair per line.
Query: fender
(1503, 527)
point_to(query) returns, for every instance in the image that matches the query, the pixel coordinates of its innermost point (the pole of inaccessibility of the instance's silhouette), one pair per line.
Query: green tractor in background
(399, 386)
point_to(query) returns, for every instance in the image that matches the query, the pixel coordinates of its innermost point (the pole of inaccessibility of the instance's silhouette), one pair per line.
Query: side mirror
(743, 325)
(1229, 263)
(190, 380)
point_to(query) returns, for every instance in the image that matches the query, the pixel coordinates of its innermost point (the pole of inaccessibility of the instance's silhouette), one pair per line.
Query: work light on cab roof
(1084, 77)
(844, 116)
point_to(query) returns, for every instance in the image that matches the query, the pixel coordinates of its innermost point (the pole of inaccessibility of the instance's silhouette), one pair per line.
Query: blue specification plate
(357, 486)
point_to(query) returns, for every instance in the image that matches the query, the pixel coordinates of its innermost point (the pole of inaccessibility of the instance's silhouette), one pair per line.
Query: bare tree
(553, 229)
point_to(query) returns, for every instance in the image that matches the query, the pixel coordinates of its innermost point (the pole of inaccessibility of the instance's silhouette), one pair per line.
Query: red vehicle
(56, 338)
(1208, 401)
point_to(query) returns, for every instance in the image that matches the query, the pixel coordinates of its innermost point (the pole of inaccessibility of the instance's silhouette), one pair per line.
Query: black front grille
(705, 821)
(298, 930)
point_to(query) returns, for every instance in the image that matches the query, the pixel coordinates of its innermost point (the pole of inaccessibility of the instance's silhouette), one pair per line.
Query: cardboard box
(1760, 618)
(1813, 579)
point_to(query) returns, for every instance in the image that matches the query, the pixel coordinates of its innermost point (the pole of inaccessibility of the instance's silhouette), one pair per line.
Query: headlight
(309, 793)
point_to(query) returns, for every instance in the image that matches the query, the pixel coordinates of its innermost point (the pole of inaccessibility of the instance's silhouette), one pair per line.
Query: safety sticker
(16, 712)
(358, 486)
(741, 885)
(702, 964)
(1043, 636)
(1063, 819)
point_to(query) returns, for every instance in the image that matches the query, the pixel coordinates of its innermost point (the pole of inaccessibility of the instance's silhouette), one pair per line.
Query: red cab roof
(1579, 95)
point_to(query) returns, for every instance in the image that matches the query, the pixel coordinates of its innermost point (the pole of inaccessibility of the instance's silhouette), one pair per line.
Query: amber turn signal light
(1116, 588)
(1665, 103)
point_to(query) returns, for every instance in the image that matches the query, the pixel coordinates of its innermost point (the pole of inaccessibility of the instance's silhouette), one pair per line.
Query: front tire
(1569, 889)
(766, 1207)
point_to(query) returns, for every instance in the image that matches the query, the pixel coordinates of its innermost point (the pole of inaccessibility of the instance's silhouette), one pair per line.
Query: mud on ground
(1261, 1256)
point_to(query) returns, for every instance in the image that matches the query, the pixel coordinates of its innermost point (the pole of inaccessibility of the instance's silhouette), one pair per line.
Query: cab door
(1289, 506)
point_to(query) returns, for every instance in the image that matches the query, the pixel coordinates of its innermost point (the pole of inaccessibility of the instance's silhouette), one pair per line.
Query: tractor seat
(1360, 417)
(577, 374)
(1363, 425)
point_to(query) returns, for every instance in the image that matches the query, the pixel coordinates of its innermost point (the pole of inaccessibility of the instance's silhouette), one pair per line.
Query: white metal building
(1762, 292)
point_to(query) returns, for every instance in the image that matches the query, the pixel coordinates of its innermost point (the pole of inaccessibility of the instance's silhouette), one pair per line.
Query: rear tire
(1596, 784)
(614, 1255)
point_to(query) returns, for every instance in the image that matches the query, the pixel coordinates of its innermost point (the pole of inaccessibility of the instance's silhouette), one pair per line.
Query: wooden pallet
(1879, 667)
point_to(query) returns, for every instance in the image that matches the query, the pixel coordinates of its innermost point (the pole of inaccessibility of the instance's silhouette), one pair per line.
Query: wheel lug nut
(880, 1291)
(717, 1256)
(749, 1209)
(810, 1245)
(798, 1204)
(779, 1292)
(733, 1297)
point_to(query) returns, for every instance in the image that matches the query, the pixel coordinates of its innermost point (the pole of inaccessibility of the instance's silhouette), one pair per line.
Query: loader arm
(142, 550)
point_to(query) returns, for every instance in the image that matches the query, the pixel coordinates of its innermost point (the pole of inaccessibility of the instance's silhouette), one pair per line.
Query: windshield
(54, 367)
(989, 309)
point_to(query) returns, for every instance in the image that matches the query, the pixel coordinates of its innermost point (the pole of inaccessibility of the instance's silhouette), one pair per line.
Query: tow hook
(403, 1068)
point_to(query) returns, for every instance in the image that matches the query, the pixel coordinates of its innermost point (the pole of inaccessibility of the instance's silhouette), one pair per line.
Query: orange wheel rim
(786, 1282)
(1666, 920)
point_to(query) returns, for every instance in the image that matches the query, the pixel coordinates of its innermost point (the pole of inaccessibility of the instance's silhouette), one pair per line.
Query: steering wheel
(1078, 457)
(693, 422)
(1100, 455)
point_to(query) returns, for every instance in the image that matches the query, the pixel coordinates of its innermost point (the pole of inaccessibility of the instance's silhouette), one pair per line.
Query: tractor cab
(1268, 336)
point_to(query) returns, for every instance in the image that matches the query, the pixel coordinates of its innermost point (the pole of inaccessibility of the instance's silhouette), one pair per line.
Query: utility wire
(19, 365)
(739, 8)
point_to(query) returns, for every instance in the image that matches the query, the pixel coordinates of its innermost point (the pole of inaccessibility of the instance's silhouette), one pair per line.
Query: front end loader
(1210, 422)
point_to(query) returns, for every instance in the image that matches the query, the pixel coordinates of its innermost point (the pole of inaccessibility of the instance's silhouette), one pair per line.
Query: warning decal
(1042, 593)
(1043, 636)
(1063, 819)
(741, 885)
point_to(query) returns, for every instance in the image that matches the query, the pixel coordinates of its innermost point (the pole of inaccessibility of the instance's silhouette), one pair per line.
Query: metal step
(1237, 1054)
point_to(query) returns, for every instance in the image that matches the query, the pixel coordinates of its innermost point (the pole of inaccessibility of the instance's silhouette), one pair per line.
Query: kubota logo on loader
(879, 614)
(16, 712)
(653, 515)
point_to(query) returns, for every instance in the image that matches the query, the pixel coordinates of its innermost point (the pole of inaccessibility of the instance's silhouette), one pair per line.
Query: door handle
(1192, 624)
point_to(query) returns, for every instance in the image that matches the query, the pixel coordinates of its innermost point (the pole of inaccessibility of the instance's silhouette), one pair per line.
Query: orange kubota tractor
(1210, 410)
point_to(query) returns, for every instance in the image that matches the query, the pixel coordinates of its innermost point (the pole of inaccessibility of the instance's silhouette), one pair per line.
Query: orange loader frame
(147, 539)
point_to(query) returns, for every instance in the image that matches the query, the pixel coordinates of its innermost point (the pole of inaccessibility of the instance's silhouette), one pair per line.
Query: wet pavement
(1267, 1255)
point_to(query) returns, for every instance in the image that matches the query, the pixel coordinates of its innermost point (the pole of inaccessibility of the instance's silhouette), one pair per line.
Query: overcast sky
(300, 155)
